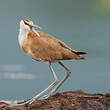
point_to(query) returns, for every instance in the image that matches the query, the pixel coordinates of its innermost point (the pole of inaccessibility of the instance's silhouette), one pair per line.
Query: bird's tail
(79, 55)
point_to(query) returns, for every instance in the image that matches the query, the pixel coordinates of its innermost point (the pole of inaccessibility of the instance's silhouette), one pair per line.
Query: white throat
(22, 37)
(23, 32)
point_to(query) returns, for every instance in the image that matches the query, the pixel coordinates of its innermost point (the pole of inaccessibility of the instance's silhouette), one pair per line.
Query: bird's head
(27, 24)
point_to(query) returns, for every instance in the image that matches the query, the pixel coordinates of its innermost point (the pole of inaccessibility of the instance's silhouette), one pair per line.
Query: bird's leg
(49, 87)
(68, 72)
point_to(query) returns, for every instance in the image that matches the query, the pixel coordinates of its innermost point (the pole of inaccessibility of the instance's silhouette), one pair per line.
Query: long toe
(44, 97)
(51, 94)
(32, 100)
(23, 103)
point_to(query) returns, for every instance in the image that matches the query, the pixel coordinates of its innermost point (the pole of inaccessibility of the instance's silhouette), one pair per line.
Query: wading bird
(46, 48)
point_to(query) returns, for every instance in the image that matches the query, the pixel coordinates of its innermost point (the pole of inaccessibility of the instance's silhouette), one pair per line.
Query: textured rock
(72, 100)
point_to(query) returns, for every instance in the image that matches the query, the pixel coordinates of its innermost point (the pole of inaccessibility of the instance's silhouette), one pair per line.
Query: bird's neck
(22, 37)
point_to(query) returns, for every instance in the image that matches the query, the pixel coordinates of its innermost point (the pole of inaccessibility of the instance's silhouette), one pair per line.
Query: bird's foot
(44, 97)
(50, 94)
(30, 101)
(26, 102)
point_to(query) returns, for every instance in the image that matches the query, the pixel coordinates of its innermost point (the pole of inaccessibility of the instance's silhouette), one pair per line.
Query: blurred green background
(82, 24)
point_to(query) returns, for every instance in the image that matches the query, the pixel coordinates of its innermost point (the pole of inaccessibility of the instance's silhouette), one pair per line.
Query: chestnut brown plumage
(44, 47)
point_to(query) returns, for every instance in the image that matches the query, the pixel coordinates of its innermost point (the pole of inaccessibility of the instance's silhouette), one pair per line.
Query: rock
(71, 100)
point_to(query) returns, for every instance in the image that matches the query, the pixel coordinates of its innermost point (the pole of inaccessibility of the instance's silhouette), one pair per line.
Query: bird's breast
(27, 47)
(25, 43)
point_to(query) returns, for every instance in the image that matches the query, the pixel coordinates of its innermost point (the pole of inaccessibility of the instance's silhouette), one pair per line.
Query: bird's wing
(48, 47)
(62, 44)
(65, 46)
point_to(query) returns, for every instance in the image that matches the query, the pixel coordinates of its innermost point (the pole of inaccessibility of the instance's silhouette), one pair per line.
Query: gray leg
(68, 72)
(49, 87)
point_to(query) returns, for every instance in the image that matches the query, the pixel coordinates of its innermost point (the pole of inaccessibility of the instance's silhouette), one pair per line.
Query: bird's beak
(36, 26)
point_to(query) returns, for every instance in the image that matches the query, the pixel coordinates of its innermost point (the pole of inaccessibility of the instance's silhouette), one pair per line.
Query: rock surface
(71, 100)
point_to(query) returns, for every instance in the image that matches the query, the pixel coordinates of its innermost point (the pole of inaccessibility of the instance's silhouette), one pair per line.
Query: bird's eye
(26, 23)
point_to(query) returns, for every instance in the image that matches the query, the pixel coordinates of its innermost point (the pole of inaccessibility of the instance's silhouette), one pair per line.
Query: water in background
(83, 25)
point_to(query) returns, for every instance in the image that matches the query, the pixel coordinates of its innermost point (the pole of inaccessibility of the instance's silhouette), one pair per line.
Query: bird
(44, 47)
